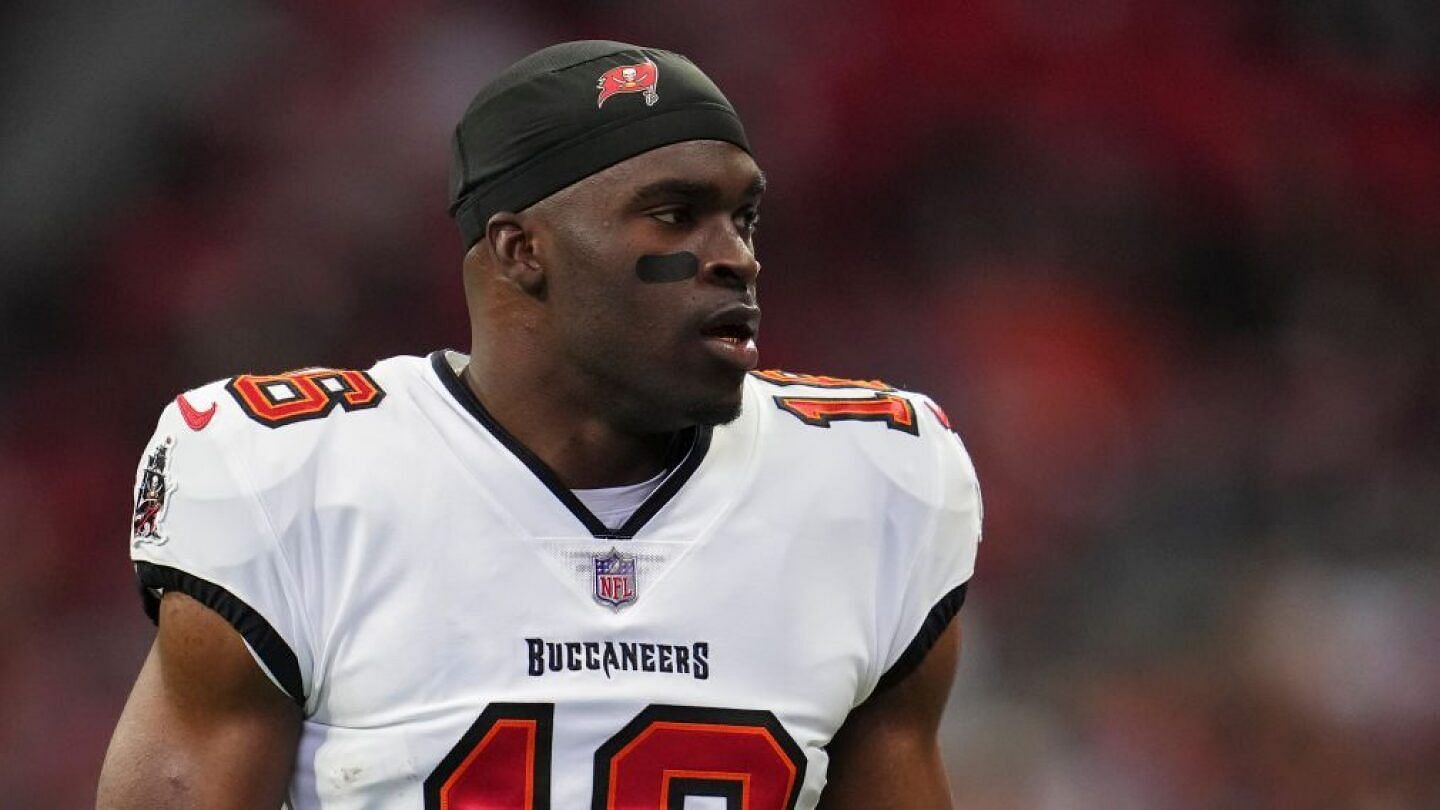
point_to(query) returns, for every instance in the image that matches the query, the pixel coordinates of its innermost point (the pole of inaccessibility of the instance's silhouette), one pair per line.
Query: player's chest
(752, 609)
(740, 652)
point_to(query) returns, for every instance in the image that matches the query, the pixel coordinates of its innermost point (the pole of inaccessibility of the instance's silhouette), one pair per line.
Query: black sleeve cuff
(258, 633)
(930, 630)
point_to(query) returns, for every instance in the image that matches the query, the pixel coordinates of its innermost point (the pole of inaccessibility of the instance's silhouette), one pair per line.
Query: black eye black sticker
(668, 267)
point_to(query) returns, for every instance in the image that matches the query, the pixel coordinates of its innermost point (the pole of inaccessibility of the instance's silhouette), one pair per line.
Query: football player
(596, 562)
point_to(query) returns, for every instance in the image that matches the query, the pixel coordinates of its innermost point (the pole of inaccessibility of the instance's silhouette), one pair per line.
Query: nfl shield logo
(615, 579)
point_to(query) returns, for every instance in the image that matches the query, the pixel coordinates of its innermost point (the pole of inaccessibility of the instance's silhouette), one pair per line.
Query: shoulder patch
(276, 400)
(152, 496)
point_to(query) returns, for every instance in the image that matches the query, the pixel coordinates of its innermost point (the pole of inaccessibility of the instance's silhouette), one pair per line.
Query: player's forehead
(716, 165)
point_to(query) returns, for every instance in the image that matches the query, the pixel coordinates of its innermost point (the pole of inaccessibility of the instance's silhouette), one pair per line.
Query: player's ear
(515, 253)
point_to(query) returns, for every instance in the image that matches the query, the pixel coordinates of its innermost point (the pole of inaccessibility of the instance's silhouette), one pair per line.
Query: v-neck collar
(687, 452)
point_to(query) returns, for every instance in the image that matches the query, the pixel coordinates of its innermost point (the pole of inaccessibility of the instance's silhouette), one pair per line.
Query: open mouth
(734, 334)
(730, 334)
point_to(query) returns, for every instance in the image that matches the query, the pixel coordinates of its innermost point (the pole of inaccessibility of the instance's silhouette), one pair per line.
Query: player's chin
(716, 413)
(721, 402)
(703, 390)
(706, 394)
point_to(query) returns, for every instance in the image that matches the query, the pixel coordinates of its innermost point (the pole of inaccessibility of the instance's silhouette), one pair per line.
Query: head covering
(570, 110)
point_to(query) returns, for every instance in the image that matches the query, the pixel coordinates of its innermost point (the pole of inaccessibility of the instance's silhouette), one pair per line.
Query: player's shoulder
(291, 414)
(904, 435)
(822, 401)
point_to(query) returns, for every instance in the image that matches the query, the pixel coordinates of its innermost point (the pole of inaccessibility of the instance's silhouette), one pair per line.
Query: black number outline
(542, 714)
(699, 715)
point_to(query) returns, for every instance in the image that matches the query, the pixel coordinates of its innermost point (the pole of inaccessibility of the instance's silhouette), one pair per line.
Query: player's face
(651, 282)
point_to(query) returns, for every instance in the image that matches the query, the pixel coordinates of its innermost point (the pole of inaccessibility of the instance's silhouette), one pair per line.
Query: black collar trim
(687, 452)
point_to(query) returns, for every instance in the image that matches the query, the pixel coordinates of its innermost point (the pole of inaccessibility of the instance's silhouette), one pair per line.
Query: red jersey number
(662, 756)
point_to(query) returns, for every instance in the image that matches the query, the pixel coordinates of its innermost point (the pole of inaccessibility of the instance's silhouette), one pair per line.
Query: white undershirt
(614, 505)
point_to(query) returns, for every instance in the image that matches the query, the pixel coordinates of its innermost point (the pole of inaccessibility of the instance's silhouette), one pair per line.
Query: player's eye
(672, 216)
(747, 221)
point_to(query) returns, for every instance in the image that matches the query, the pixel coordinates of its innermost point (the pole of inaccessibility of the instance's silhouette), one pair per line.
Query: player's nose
(730, 261)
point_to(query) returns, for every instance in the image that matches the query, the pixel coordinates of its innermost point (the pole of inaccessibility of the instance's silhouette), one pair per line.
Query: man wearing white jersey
(599, 561)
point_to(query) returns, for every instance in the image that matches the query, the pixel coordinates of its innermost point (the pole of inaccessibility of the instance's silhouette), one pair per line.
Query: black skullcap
(563, 113)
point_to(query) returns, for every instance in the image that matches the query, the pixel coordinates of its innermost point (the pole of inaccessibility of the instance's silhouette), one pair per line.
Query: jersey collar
(687, 452)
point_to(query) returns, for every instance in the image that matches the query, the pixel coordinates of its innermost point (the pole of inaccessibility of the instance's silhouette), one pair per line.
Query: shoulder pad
(907, 436)
(272, 424)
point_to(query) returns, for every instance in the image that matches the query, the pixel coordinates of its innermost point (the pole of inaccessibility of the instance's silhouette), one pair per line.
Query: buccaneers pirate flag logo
(152, 496)
(640, 78)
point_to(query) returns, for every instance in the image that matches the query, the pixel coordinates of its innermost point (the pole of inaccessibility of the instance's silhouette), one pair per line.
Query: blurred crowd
(1173, 268)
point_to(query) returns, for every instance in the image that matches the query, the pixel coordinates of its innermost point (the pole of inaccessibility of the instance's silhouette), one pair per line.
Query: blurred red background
(1170, 266)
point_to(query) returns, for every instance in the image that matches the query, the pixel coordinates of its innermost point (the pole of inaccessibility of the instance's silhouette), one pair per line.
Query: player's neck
(583, 449)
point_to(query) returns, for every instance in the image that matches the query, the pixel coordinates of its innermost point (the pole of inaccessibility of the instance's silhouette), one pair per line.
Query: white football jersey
(462, 633)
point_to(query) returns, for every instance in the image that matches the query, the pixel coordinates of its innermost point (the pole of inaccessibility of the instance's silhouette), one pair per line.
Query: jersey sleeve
(943, 562)
(200, 529)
